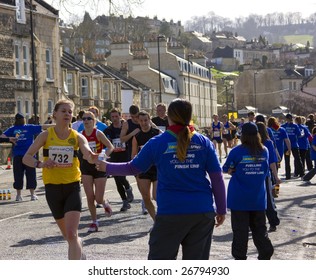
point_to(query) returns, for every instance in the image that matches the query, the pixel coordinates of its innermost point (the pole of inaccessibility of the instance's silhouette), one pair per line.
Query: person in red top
(94, 181)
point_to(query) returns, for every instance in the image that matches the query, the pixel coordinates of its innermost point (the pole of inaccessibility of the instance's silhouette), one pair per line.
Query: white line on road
(16, 216)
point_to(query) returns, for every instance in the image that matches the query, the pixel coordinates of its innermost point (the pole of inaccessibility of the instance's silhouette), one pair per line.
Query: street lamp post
(158, 38)
(210, 82)
(255, 89)
(231, 84)
(33, 64)
(189, 70)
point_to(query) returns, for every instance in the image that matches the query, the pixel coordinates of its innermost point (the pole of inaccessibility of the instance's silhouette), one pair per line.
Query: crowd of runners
(169, 171)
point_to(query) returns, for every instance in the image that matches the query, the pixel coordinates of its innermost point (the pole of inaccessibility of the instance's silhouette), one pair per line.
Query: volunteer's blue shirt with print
(293, 132)
(246, 188)
(25, 137)
(280, 135)
(188, 190)
(303, 141)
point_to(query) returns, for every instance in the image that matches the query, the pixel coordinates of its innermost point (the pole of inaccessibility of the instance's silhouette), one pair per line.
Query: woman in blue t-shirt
(248, 164)
(189, 182)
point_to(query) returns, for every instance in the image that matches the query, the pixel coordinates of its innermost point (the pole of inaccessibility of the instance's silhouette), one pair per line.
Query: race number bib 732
(62, 155)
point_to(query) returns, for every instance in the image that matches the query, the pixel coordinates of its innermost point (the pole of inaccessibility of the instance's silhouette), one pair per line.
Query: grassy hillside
(295, 39)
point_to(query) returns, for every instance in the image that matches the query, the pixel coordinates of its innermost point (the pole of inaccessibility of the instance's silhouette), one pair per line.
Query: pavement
(29, 232)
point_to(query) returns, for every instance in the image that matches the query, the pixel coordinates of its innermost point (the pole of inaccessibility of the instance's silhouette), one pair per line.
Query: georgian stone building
(18, 90)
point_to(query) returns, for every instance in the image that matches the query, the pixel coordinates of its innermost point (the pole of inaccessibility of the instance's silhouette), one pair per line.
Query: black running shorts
(63, 198)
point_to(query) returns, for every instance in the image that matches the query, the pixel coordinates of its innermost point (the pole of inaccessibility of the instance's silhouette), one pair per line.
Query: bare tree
(113, 7)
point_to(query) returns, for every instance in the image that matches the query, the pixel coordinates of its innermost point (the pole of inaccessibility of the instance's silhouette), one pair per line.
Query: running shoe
(107, 209)
(125, 206)
(129, 194)
(94, 227)
(144, 210)
(83, 255)
(34, 197)
(18, 198)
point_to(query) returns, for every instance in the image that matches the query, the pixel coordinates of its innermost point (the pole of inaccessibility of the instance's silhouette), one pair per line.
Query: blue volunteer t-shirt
(183, 187)
(303, 141)
(313, 152)
(246, 188)
(280, 135)
(293, 132)
(100, 125)
(25, 137)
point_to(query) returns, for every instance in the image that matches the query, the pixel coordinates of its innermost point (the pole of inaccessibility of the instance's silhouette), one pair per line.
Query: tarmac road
(28, 231)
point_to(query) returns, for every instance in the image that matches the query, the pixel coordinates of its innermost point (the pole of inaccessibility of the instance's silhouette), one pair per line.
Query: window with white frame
(84, 87)
(70, 83)
(22, 59)
(49, 66)
(50, 105)
(25, 60)
(115, 95)
(145, 101)
(106, 91)
(27, 107)
(17, 60)
(20, 11)
(95, 89)
(19, 106)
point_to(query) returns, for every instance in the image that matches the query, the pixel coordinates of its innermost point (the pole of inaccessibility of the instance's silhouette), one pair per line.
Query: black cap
(19, 116)
(249, 128)
(289, 116)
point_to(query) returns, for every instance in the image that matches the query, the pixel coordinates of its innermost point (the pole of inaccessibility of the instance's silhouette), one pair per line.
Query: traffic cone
(9, 163)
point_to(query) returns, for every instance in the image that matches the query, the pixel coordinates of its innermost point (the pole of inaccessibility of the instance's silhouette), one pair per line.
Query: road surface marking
(16, 216)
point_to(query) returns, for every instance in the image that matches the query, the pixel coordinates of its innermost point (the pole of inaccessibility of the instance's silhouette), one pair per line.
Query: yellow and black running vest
(65, 154)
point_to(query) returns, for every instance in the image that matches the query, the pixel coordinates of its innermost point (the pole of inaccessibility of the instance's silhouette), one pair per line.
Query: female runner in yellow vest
(61, 173)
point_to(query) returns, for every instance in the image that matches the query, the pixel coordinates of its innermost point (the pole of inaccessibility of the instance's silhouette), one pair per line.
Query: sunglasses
(87, 119)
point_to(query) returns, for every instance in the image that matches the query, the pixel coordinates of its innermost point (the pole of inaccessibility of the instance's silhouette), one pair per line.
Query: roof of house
(68, 61)
(118, 75)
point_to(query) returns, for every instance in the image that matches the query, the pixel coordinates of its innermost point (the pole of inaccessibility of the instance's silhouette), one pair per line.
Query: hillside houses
(114, 70)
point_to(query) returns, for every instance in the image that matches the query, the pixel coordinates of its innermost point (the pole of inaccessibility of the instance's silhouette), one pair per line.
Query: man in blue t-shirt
(294, 133)
(24, 135)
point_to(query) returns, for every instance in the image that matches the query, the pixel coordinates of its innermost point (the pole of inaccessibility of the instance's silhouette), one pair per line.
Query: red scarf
(275, 126)
(177, 128)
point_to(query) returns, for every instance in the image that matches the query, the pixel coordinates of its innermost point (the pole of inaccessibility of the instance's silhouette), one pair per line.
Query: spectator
(24, 134)
(75, 125)
(49, 120)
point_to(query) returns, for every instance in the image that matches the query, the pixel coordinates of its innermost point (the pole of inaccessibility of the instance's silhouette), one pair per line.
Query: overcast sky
(182, 10)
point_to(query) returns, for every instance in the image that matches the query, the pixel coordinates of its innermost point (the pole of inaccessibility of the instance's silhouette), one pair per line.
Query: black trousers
(241, 221)
(193, 232)
(309, 162)
(303, 159)
(122, 185)
(310, 174)
(298, 165)
(271, 212)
